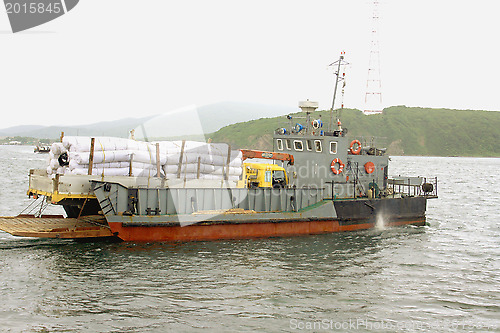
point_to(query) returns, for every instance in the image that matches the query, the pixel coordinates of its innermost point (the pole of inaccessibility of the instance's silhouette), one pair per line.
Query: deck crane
(247, 153)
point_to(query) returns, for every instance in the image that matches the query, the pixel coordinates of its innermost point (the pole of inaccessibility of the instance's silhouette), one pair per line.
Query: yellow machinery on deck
(263, 175)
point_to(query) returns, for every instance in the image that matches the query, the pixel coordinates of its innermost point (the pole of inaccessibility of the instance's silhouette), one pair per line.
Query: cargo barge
(317, 180)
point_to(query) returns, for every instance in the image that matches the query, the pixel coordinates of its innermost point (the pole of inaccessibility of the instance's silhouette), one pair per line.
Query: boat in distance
(316, 180)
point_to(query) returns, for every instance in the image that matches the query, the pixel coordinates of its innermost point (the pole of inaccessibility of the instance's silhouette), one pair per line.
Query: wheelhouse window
(279, 144)
(309, 145)
(333, 147)
(297, 145)
(288, 144)
(268, 177)
(317, 146)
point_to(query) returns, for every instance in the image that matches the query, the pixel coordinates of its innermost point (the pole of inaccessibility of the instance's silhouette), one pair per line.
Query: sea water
(444, 277)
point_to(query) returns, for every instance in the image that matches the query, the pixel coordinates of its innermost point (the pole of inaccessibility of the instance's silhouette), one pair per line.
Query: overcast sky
(110, 59)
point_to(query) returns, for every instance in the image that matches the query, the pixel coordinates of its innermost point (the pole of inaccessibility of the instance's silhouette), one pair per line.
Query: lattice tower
(373, 96)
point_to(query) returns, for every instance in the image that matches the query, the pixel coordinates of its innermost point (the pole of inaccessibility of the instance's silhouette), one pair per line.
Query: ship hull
(350, 215)
(327, 216)
(242, 231)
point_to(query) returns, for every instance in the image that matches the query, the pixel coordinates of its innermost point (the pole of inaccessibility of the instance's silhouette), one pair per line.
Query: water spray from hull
(380, 222)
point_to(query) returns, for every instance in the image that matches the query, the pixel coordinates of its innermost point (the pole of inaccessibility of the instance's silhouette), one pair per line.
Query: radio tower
(373, 97)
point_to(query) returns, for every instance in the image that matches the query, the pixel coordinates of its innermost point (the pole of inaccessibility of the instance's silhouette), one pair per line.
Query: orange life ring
(341, 166)
(369, 167)
(358, 150)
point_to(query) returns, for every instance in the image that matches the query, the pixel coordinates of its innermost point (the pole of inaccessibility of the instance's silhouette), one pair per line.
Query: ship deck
(56, 226)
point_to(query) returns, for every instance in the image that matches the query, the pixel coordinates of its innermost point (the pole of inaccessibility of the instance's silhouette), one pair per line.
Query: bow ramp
(56, 226)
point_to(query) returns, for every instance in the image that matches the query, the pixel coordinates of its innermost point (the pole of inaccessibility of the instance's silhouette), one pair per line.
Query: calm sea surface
(441, 278)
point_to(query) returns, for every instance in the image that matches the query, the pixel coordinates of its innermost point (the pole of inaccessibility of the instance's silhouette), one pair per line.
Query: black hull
(389, 209)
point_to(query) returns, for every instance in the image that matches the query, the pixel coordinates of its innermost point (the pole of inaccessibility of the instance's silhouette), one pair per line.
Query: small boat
(317, 181)
(42, 149)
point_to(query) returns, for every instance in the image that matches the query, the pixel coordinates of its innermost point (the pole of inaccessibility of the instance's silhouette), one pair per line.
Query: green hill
(403, 130)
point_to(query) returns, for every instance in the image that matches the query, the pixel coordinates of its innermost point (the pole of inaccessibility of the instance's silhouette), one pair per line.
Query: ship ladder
(106, 204)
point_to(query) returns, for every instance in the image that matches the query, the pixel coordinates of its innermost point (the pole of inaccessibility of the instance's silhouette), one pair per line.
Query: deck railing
(413, 186)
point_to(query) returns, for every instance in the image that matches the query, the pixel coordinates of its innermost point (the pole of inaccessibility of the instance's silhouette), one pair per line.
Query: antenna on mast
(373, 96)
(339, 63)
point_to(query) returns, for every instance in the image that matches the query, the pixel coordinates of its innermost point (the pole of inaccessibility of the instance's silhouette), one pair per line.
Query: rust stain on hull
(240, 231)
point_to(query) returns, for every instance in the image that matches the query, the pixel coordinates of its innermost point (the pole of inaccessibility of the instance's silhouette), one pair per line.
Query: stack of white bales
(201, 160)
(112, 156)
(118, 157)
(56, 150)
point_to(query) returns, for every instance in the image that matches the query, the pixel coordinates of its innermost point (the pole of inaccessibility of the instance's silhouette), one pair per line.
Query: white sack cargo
(82, 143)
(124, 157)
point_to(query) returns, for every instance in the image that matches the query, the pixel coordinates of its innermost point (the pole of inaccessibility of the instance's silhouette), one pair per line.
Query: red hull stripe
(238, 231)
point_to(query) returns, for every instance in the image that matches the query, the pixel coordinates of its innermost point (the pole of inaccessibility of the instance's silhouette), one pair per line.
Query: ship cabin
(344, 167)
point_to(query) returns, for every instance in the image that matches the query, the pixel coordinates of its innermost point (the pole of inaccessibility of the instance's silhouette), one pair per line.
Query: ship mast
(339, 63)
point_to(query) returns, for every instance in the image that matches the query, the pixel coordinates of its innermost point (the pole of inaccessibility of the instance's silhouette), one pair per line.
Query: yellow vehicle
(263, 175)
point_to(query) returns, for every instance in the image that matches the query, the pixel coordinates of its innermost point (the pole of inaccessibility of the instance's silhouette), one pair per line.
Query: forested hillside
(403, 130)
